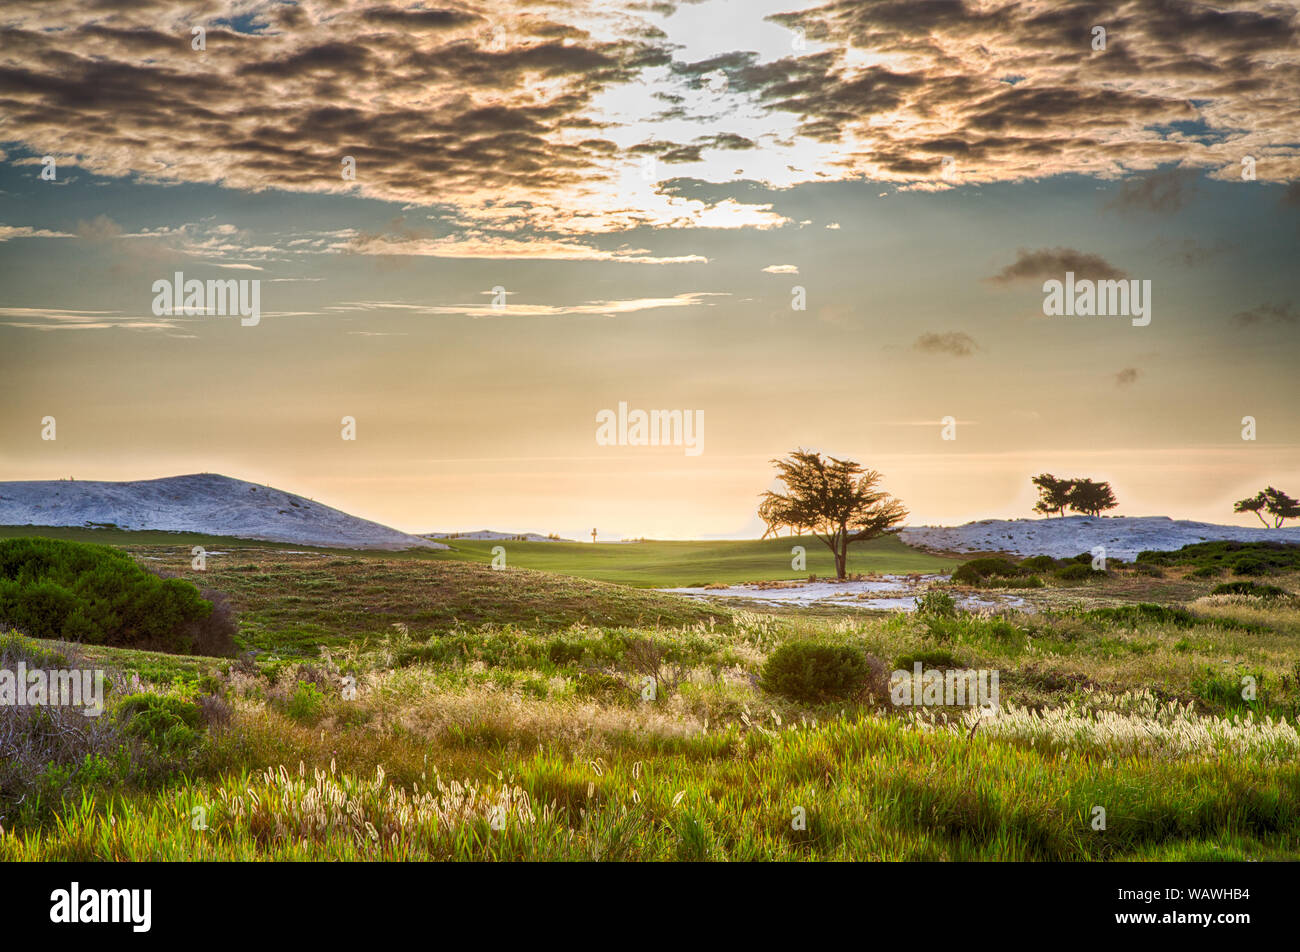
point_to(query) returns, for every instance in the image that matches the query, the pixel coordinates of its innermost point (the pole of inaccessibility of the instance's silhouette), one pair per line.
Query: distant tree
(1255, 504)
(1273, 501)
(1053, 494)
(1091, 498)
(836, 500)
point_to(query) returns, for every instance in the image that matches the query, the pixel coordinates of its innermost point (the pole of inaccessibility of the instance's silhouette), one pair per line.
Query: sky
(477, 225)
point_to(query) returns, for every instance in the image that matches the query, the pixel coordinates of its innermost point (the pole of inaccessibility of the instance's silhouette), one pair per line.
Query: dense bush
(1248, 588)
(1242, 558)
(1038, 563)
(976, 571)
(1077, 571)
(811, 671)
(306, 704)
(167, 722)
(929, 658)
(99, 595)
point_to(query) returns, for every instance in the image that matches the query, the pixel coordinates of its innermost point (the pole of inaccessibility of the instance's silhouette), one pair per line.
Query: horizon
(577, 537)
(476, 233)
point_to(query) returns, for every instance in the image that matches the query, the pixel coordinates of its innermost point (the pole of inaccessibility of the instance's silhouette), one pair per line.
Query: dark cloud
(1127, 377)
(1054, 262)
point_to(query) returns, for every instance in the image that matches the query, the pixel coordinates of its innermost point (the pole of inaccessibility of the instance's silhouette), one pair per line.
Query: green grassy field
(638, 564)
(505, 715)
(680, 564)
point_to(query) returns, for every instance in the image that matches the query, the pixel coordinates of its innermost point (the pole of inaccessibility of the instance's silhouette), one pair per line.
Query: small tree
(1255, 504)
(1091, 498)
(1273, 501)
(834, 499)
(1053, 494)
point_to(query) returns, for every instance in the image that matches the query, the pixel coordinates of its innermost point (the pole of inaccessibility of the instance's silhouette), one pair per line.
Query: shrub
(306, 704)
(1150, 571)
(1077, 571)
(1038, 563)
(1248, 588)
(929, 658)
(48, 751)
(165, 721)
(1250, 565)
(98, 595)
(976, 571)
(1258, 557)
(935, 602)
(811, 671)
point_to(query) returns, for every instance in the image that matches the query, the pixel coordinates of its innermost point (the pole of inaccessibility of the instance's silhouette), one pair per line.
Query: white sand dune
(1123, 536)
(491, 535)
(204, 503)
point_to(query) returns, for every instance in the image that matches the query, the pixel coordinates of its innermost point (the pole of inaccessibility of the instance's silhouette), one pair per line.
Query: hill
(1123, 536)
(204, 503)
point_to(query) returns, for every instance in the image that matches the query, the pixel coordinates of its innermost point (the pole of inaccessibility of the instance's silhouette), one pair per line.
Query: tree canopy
(836, 500)
(1273, 501)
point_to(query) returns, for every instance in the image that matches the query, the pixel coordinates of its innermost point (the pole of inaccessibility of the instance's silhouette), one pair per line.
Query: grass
(682, 564)
(636, 564)
(506, 715)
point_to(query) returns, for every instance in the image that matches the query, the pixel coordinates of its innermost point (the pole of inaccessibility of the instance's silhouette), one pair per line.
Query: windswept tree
(1091, 498)
(1273, 501)
(1053, 494)
(836, 500)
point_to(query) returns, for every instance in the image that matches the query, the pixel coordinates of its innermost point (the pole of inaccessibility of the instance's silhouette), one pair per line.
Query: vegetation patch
(98, 595)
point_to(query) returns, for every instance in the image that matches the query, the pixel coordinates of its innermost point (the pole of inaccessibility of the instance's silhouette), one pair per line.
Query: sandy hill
(1123, 536)
(204, 503)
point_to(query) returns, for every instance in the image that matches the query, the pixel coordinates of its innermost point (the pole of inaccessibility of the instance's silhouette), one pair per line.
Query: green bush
(98, 595)
(935, 602)
(1248, 588)
(1038, 563)
(976, 571)
(1245, 558)
(811, 671)
(1077, 571)
(929, 658)
(306, 704)
(165, 721)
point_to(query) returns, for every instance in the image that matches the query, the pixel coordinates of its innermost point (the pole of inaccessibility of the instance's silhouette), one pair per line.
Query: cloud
(1266, 314)
(955, 343)
(1162, 192)
(781, 269)
(585, 308)
(99, 228)
(897, 85)
(1054, 262)
(1126, 377)
(9, 232)
(484, 103)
